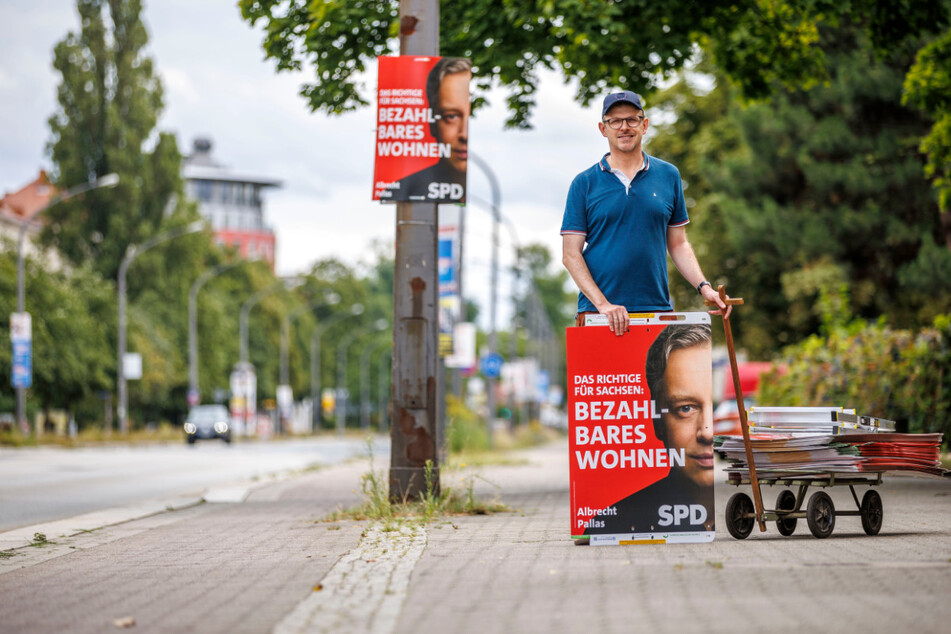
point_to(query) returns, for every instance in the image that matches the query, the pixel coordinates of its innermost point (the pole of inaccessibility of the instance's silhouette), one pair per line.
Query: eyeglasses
(615, 124)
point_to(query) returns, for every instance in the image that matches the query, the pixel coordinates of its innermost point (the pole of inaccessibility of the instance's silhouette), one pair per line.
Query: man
(629, 208)
(678, 378)
(447, 91)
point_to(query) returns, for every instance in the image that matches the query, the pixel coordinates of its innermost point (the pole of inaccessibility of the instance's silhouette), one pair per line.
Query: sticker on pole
(640, 424)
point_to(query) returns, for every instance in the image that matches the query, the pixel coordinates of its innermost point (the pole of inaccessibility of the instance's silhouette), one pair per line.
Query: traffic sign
(491, 365)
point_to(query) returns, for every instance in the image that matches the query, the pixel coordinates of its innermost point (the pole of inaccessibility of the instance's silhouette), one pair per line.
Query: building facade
(232, 203)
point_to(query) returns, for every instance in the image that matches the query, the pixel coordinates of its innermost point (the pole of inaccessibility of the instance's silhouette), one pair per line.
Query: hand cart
(820, 512)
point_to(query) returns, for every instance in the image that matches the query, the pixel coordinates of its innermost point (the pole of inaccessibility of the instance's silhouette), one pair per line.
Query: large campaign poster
(422, 132)
(640, 427)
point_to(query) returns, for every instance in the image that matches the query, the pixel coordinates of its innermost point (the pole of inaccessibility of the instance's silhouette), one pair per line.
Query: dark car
(207, 421)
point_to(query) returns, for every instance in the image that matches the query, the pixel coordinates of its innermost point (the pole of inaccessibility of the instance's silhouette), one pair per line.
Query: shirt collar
(605, 167)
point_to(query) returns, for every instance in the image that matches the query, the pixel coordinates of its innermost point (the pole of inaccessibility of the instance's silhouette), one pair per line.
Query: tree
(928, 86)
(73, 316)
(599, 44)
(109, 102)
(811, 194)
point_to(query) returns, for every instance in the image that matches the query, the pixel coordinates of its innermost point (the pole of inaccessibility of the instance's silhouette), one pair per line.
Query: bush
(894, 374)
(465, 431)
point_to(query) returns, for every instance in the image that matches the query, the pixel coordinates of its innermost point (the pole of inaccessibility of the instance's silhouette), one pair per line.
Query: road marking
(365, 590)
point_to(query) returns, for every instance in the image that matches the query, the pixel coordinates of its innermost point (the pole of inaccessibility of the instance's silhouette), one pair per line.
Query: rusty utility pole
(413, 431)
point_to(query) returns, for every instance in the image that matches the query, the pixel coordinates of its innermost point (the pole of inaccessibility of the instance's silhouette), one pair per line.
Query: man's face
(627, 138)
(689, 419)
(452, 127)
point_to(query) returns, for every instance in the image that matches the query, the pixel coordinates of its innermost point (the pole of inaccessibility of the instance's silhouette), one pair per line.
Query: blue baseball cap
(625, 96)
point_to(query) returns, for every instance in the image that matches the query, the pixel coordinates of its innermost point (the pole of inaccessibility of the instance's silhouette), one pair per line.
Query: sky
(218, 84)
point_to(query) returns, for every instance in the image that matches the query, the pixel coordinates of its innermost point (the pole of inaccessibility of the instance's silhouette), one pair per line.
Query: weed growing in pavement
(6, 554)
(40, 540)
(377, 504)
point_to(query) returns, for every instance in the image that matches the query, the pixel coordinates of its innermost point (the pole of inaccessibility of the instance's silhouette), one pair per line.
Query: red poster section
(641, 464)
(404, 138)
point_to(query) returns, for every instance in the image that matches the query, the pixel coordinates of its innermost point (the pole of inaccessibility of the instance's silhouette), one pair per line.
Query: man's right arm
(571, 256)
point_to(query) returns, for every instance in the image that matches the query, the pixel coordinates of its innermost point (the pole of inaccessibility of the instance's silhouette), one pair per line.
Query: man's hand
(713, 298)
(618, 319)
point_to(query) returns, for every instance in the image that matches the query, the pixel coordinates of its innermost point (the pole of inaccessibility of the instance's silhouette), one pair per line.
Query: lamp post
(109, 180)
(132, 252)
(250, 303)
(493, 296)
(330, 299)
(342, 346)
(384, 393)
(353, 311)
(193, 388)
(365, 381)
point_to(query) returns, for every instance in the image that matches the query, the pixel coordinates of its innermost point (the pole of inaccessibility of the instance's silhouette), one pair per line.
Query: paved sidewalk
(268, 565)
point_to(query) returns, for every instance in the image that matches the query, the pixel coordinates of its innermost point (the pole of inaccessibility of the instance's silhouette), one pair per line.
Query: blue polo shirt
(625, 228)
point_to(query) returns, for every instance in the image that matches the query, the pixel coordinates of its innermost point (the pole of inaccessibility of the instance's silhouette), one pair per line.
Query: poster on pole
(21, 338)
(640, 424)
(422, 131)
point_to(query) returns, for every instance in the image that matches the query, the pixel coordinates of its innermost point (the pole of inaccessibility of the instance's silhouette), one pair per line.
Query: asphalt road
(46, 484)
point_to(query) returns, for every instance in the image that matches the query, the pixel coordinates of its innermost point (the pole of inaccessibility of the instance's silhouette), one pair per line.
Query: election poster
(640, 425)
(422, 129)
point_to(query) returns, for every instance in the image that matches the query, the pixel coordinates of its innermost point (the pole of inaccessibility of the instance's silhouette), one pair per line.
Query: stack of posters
(814, 442)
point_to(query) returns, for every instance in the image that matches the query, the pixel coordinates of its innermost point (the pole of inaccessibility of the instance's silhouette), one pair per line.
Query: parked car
(207, 421)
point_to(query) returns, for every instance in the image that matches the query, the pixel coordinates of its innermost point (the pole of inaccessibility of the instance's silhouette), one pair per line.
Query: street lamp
(353, 311)
(383, 385)
(342, 346)
(193, 389)
(109, 180)
(250, 303)
(132, 252)
(330, 299)
(496, 214)
(365, 381)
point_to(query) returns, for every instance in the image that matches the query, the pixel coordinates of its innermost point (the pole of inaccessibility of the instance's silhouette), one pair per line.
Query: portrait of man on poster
(447, 91)
(679, 378)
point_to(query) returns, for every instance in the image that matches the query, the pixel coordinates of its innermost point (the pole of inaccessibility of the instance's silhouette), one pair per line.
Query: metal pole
(193, 322)
(384, 386)
(109, 180)
(343, 394)
(318, 412)
(365, 382)
(415, 331)
(494, 281)
(132, 252)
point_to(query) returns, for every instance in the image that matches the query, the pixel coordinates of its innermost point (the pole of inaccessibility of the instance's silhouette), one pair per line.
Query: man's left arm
(686, 262)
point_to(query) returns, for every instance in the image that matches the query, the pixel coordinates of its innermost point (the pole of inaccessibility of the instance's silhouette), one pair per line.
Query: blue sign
(22, 374)
(491, 365)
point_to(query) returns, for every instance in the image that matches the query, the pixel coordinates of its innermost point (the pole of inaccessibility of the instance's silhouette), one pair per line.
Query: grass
(163, 433)
(430, 505)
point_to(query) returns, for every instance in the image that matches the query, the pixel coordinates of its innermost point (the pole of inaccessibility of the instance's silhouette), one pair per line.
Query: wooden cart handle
(741, 407)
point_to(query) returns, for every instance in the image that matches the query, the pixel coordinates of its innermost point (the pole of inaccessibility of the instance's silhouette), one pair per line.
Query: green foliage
(597, 45)
(109, 102)
(794, 197)
(928, 86)
(880, 371)
(73, 316)
(465, 431)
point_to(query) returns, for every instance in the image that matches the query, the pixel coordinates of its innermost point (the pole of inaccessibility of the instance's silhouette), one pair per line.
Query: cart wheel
(820, 514)
(737, 508)
(872, 512)
(786, 502)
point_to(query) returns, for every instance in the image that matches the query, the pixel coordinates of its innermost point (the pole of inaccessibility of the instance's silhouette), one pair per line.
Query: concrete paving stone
(232, 568)
(245, 567)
